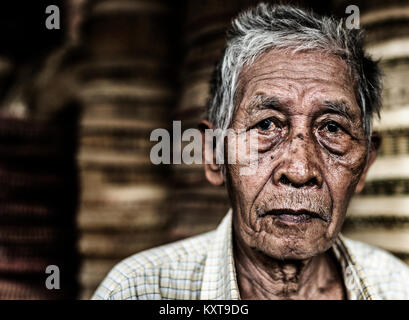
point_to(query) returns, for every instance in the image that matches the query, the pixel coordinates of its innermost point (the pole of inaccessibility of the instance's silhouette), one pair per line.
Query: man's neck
(262, 277)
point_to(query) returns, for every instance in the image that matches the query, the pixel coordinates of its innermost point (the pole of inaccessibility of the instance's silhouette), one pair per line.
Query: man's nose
(298, 166)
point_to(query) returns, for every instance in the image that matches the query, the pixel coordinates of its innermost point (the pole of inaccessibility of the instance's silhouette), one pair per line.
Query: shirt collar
(356, 283)
(220, 281)
(219, 277)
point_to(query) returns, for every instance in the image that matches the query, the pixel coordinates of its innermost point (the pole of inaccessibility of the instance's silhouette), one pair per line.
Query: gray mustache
(297, 201)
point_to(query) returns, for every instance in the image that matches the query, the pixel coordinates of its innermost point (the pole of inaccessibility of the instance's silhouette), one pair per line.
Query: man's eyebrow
(339, 107)
(261, 102)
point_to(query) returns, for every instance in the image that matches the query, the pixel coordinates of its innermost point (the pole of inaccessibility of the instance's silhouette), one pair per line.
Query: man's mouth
(292, 216)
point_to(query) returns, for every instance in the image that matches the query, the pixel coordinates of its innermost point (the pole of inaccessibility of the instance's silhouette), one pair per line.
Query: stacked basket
(127, 90)
(38, 200)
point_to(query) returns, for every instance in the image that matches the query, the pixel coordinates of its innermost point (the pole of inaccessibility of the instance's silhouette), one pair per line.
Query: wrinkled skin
(312, 156)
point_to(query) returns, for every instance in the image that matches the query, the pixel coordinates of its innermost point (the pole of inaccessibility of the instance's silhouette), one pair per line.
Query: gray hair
(267, 26)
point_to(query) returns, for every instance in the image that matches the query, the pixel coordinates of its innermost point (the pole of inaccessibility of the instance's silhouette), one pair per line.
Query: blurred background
(78, 104)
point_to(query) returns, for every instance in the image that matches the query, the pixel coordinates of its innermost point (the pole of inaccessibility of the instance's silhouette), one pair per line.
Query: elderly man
(306, 87)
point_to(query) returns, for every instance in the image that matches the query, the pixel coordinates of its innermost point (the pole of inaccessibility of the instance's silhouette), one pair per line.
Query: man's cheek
(245, 186)
(341, 188)
(344, 170)
(239, 186)
(345, 179)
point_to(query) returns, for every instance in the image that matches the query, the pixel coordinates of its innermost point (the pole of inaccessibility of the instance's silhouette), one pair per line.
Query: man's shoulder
(157, 273)
(189, 250)
(385, 273)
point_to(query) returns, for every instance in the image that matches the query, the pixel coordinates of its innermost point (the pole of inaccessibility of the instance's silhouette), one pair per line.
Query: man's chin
(283, 252)
(287, 241)
(288, 253)
(289, 249)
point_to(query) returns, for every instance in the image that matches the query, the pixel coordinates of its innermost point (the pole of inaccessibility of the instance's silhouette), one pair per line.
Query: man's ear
(375, 144)
(213, 171)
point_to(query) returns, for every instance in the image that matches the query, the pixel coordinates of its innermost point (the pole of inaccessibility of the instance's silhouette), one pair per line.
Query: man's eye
(332, 127)
(265, 124)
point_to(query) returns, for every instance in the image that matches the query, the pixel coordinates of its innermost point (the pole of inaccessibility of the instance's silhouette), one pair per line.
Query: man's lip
(290, 212)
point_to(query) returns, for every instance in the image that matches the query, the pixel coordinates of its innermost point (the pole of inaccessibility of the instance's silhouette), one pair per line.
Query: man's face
(311, 151)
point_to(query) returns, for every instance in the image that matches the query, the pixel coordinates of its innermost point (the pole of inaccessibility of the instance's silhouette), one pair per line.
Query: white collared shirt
(202, 267)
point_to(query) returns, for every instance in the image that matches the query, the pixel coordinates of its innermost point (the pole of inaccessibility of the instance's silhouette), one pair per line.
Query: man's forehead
(280, 66)
(276, 74)
(297, 59)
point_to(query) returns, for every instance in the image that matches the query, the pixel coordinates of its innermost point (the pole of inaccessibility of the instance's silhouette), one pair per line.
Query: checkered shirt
(202, 267)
